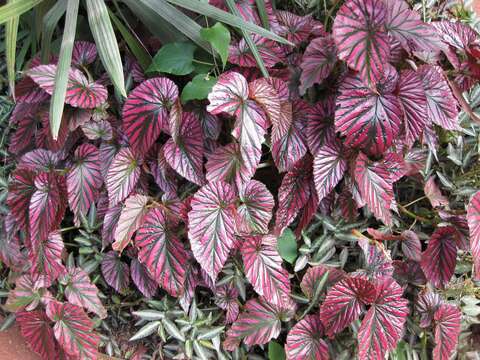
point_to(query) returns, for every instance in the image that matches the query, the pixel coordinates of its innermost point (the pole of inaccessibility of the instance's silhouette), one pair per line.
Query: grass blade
(249, 41)
(179, 20)
(11, 31)
(143, 57)
(262, 11)
(220, 15)
(106, 41)
(50, 21)
(14, 9)
(64, 60)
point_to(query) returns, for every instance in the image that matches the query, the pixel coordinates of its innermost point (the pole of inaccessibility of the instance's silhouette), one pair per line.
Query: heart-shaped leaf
(226, 298)
(255, 209)
(174, 58)
(84, 53)
(378, 262)
(313, 276)
(447, 330)
(20, 191)
(38, 333)
(46, 258)
(219, 37)
(304, 340)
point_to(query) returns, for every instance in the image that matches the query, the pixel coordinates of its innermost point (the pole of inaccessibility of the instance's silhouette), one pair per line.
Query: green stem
(68, 229)
(413, 215)
(414, 201)
(203, 62)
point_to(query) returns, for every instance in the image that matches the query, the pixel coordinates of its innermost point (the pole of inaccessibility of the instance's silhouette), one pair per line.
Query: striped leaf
(115, 271)
(447, 330)
(46, 258)
(122, 176)
(37, 332)
(304, 340)
(14, 9)
(255, 209)
(142, 279)
(473, 218)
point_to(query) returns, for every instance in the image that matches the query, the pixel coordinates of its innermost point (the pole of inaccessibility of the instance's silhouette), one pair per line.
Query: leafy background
(154, 300)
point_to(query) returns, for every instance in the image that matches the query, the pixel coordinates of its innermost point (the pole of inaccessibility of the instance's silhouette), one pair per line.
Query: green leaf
(174, 58)
(262, 11)
(11, 31)
(219, 36)
(287, 246)
(275, 351)
(14, 9)
(50, 21)
(135, 46)
(106, 41)
(57, 102)
(198, 88)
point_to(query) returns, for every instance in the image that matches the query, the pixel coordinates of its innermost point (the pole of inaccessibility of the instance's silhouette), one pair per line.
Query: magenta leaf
(375, 187)
(20, 191)
(263, 268)
(473, 218)
(38, 333)
(328, 168)
(304, 340)
(131, 218)
(297, 28)
(312, 277)
(122, 176)
(447, 330)
(434, 195)
(80, 92)
(163, 174)
(414, 103)
(185, 155)
(27, 92)
(115, 271)
(161, 252)
(73, 330)
(456, 34)
(84, 53)
(293, 194)
(39, 160)
(110, 222)
(258, 323)
(344, 303)
(438, 261)
(142, 279)
(269, 50)
(318, 61)
(226, 298)
(46, 258)
(212, 226)
(361, 39)
(255, 209)
(406, 27)
(25, 296)
(263, 92)
(94, 130)
(82, 292)
(369, 120)
(426, 305)
(84, 180)
(384, 322)
(411, 245)
(21, 140)
(377, 259)
(229, 165)
(145, 112)
(441, 104)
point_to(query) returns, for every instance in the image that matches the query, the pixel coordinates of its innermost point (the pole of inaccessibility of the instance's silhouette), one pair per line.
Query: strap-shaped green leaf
(11, 31)
(106, 41)
(61, 76)
(13, 9)
(49, 23)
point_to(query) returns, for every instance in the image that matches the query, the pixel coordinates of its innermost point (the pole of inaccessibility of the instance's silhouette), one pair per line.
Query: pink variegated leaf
(211, 125)
(317, 62)
(375, 187)
(228, 164)
(426, 305)
(185, 155)
(378, 262)
(25, 296)
(434, 195)
(161, 252)
(10, 254)
(82, 292)
(257, 324)
(297, 28)
(345, 302)
(95, 130)
(44, 137)
(263, 268)
(415, 161)
(192, 279)
(76, 117)
(38, 333)
(447, 330)
(312, 277)
(304, 340)
(73, 330)
(361, 39)
(441, 104)
(395, 164)
(39, 160)
(163, 174)
(438, 261)
(22, 139)
(107, 152)
(270, 52)
(28, 92)
(84, 53)
(122, 175)
(255, 209)
(84, 180)
(408, 272)
(406, 27)
(226, 298)
(265, 94)
(411, 245)
(80, 92)
(115, 271)
(414, 102)
(369, 120)
(293, 193)
(175, 120)
(283, 126)
(131, 218)
(328, 168)
(110, 222)
(46, 258)
(145, 112)
(473, 218)
(307, 213)
(456, 34)
(347, 205)
(212, 226)
(384, 323)
(20, 190)
(46, 207)
(142, 279)
(290, 147)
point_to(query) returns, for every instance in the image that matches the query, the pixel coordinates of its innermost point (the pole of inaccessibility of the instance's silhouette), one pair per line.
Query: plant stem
(414, 201)
(68, 229)
(413, 215)
(203, 62)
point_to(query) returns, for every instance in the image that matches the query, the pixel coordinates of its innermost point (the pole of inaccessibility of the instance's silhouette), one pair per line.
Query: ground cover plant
(300, 187)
